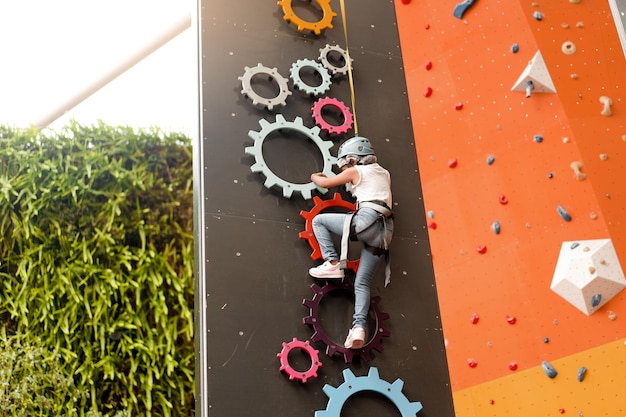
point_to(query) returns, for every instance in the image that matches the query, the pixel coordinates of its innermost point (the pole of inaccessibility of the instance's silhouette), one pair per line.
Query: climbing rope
(350, 79)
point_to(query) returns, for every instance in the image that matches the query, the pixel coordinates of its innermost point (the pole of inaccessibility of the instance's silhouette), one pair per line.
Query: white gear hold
(271, 179)
(334, 69)
(272, 73)
(315, 91)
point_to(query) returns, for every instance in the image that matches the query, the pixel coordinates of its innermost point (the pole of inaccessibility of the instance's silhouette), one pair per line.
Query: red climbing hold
(452, 163)
(458, 106)
(428, 92)
(432, 225)
(406, 1)
(472, 363)
(512, 366)
(502, 199)
(475, 318)
(561, 410)
(428, 65)
(481, 249)
(427, 27)
(511, 320)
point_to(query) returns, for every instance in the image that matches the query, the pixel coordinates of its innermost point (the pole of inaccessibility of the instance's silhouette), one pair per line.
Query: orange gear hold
(315, 27)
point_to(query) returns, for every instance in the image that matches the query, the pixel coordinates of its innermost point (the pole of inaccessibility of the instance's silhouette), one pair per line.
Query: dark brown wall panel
(254, 271)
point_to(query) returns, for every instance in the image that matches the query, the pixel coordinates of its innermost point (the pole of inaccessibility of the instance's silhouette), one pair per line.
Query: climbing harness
(283, 356)
(317, 67)
(323, 124)
(272, 73)
(316, 27)
(352, 384)
(332, 347)
(349, 233)
(272, 179)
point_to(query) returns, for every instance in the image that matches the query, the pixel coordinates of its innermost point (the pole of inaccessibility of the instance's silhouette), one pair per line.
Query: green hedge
(96, 269)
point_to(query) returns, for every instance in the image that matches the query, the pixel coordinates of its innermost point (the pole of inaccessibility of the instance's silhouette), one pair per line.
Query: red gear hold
(321, 205)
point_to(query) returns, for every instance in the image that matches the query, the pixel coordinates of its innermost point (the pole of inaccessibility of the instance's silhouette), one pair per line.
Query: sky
(55, 53)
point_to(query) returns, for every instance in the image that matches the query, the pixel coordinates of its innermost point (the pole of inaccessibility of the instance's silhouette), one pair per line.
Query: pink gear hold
(288, 369)
(339, 105)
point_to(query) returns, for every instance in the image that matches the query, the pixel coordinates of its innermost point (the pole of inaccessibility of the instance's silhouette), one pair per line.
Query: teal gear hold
(337, 397)
(357, 145)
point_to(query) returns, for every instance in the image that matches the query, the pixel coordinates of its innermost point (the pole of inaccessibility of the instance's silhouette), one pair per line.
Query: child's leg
(324, 226)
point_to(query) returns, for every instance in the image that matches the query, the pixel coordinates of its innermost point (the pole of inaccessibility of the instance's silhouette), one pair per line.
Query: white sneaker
(326, 270)
(355, 339)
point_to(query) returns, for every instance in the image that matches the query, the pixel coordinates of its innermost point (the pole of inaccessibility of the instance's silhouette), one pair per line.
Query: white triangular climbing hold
(535, 78)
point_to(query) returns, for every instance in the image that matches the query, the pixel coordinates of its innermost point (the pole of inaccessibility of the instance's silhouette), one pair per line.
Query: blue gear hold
(271, 179)
(337, 397)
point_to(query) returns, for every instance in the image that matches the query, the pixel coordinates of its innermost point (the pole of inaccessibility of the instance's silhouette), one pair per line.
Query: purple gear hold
(283, 356)
(332, 347)
(339, 105)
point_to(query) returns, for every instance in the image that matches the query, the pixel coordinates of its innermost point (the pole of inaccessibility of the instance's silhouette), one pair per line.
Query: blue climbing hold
(563, 214)
(431, 214)
(491, 159)
(574, 245)
(581, 373)
(515, 48)
(495, 226)
(538, 138)
(595, 300)
(548, 369)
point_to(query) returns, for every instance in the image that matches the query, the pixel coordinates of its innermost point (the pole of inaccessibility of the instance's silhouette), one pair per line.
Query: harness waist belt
(379, 206)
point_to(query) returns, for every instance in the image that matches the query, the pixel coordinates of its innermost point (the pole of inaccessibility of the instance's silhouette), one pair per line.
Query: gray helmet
(357, 145)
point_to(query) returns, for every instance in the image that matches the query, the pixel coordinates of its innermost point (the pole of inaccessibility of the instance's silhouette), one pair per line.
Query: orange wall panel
(473, 114)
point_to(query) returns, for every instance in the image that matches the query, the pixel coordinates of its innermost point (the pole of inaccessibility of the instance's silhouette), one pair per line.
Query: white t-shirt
(374, 184)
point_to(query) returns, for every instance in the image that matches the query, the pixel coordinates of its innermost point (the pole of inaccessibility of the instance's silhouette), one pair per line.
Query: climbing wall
(269, 336)
(510, 173)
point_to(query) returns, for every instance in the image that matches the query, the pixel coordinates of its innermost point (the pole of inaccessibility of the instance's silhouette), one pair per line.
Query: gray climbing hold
(515, 48)
(495, 226)
(461, 8)
(581, 373)
(538, 138)
(490, 159)
(563, 214)
(548, 369)
(595, 300)
(574, 245)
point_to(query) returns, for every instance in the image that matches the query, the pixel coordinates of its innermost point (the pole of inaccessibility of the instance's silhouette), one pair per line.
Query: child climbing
(371, 224)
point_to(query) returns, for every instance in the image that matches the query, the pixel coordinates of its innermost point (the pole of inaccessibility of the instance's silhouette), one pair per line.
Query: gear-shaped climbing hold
(316, 27)
(334, 69)
(332, 347)
(339, 105)
(272, 179)
(283, 356)
(309, 235)
(296, 77)
(273, 74)
(352, 384)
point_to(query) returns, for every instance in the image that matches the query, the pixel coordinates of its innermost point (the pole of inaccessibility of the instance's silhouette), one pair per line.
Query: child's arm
(347, 175)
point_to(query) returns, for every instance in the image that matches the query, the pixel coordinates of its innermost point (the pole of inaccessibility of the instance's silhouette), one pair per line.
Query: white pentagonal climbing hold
(588, 274)
(535, 78)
